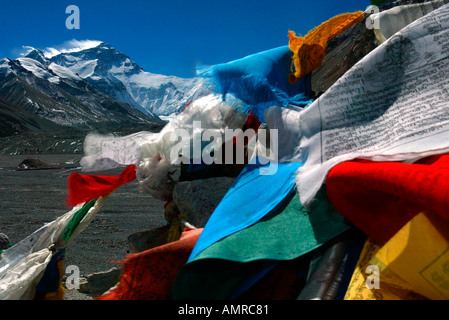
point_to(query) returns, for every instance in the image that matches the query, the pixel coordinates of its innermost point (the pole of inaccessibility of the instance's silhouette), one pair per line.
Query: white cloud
(50, 52)
(25, 50)
(70, 46)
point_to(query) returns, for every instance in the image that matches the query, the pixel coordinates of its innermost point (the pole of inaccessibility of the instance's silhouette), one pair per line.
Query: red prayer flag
(149, 275)
(83, 188)
(379, 198)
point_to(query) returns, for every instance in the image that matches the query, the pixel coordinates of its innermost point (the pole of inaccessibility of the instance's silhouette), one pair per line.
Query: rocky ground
(31, 196)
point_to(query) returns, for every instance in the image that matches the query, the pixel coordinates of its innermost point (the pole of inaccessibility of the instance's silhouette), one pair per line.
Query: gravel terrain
(31, 198)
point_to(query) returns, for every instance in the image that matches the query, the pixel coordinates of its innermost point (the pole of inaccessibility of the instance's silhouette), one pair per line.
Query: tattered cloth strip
(50, 286)
(83, 188)
(390, 106)
(309, 51)
(157, 156)
(258, 81)
(326, 271)
(23, 265)
(202, 170)
(266, 185)
(379, 198)
(105, 152)
(388, 22)
(20, 280)
(412, 265)
(152, 152)
(287, 232)
(149, 275)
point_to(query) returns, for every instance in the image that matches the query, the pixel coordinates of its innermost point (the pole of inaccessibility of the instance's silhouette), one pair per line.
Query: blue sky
(163, 36)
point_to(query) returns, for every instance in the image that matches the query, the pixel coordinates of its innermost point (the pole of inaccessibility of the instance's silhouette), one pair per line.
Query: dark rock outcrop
(34, 164)
(4, 241)
(198, 199)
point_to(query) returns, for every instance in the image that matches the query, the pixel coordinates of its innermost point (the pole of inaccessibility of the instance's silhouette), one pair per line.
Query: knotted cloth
(309, 51)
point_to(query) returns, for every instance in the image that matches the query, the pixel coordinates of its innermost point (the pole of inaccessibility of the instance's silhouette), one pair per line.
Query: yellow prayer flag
(358, 288)
(309, 51)
(413, 264)
(417, 257)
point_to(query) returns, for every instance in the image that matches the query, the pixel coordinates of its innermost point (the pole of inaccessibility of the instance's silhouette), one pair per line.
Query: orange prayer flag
(309, 51)
(149, 275)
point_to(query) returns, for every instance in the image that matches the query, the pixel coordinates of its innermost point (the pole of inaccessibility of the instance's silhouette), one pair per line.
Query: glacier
(116, 74)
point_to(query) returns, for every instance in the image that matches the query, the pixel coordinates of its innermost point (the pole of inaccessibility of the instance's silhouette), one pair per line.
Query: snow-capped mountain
(116, 74)
(95, 87)
(49, 95)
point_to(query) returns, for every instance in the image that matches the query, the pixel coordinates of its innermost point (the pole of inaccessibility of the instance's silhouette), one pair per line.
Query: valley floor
(31, 198)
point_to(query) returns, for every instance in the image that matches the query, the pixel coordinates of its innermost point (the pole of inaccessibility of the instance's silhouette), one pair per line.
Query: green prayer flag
(290, 231)
(287, 235)
(76, 219)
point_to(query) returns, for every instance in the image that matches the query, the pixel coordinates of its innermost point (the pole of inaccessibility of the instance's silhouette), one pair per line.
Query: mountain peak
(101, 46)
(111, 71)
(37, 55)
(105, 45)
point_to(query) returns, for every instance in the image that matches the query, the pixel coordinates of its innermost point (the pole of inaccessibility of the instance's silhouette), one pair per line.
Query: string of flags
(361, 183)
